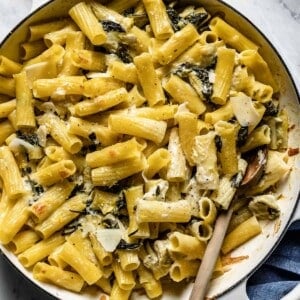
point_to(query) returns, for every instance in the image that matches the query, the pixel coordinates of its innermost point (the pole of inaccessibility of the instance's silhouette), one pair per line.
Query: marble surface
(278, 19)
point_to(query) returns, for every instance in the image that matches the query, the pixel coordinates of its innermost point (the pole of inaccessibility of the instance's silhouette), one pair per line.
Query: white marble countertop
(278, 19)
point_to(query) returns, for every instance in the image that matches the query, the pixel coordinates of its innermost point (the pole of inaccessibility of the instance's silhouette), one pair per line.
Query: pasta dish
(125, 129)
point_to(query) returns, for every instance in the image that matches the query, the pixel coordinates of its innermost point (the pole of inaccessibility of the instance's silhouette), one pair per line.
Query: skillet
(232, 284)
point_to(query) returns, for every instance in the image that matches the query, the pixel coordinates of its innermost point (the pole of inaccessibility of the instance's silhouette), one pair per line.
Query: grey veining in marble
(278, 19)
(12, 12)
(293, 7)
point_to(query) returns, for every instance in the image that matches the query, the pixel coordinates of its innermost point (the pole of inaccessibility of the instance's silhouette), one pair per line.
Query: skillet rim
(296, 90)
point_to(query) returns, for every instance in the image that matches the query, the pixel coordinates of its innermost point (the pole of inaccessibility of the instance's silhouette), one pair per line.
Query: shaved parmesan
(42, 133)
(109, 238)
(16, 143)
(244, 110)
(40, 70)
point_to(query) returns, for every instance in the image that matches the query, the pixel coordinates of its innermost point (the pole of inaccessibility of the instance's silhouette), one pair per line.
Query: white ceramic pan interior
(252, 254)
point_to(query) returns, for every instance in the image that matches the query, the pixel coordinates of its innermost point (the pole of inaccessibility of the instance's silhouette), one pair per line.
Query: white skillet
(232, 285)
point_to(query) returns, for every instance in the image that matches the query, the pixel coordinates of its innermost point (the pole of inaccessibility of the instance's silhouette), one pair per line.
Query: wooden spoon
(211, 255)
(255, 168)
(253, 173)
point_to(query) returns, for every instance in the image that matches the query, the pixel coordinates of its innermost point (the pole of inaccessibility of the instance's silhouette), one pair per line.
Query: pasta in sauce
(124, 130)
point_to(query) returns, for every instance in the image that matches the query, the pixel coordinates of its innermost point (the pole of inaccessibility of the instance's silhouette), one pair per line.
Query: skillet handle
(37, 3)
(237, 292)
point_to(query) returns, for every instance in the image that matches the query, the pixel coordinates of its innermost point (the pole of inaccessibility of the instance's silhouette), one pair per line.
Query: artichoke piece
(265, 207)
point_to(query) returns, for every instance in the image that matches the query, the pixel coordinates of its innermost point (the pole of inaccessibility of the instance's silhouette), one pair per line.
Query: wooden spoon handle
(210, 256)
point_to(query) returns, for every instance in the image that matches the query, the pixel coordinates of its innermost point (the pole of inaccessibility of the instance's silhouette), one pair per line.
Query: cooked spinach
(92, 147)
(92, 136)
(129, 11)
(71, 227)
(185, 69)
(77, 189)
(123, 53)
(157, 191)
(121, 205)
(123, 245)
(236, 179)
(36, 188)
(174, 18)
(110, 223)
(218, 143)
(203, 75)
(109, 26)
(30, 138)
(242, 136)
(197, 19)
(26, 170)
(117, 187)
(271, 109)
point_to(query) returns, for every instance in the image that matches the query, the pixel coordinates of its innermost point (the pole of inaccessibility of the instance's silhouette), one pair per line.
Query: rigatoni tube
(223, 75)
(156, 161)
(101, 103)
(64, 214)
(149, 80)
(258, 66)
(205, 158)
(230, 35)
(24, 107)
(60, 86)
(23, 240)
(114, 153)
(241, 234)
(84, 17)
(183, 92)
(228, 152)
(159, 211)
(7, 86)
(137, 126)
(183, 269)
(187, 130)
(177, 44)
(50, 200)
(40, 250)
(109, 175)
(59, 132)
(159, 19)
(190, 247)
(66, 279)
(8, 66)
(10, 174)
(54, 173)
(177, 168)
(82, 265)
(125, 279)
(14, 220)
(7, 107)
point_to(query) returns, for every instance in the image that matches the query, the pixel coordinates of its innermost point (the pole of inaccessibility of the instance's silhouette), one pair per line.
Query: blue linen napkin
(281, 272)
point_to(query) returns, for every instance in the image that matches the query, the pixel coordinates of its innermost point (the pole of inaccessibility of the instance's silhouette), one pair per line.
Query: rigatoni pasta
(149, 80)
(224, 71)
(24, 106)
(68, 280)
(84, 17)
(158, 18)
(125, 130)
